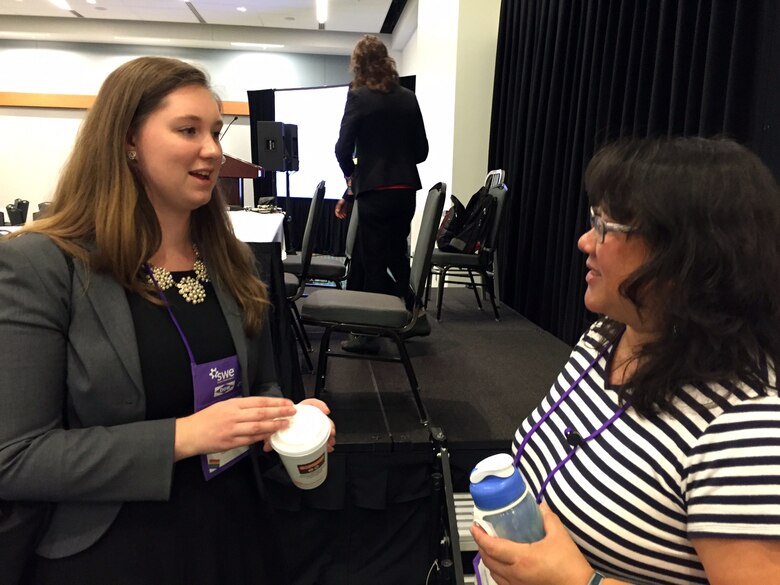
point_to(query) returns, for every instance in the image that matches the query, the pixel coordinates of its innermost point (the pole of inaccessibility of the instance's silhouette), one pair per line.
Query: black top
(208, 533)
(387, 134)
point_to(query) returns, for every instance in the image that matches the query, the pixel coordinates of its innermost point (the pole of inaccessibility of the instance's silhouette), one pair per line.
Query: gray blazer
(72, 403)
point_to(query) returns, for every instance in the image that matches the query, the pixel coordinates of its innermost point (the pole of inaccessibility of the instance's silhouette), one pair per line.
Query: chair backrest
(494, 178)
(499, 193)
(421, 263)
(310, 231)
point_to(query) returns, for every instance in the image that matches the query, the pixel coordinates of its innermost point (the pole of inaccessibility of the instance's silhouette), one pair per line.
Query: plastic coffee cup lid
(309, 429)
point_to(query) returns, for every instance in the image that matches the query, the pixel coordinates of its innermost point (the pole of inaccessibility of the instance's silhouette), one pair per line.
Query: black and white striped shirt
(634, 496)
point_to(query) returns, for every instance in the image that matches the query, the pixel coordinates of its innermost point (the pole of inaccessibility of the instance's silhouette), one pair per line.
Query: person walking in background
(383, 130)
(138, 377)
(657, 451)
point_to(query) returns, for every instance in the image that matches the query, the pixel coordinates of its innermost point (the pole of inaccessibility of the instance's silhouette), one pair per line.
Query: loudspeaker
(291, 147)
(270, 145)
(15, 216)
(22, 205)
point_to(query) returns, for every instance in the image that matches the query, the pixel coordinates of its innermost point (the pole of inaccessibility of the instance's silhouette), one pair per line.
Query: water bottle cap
(495, 482)
(500, 465)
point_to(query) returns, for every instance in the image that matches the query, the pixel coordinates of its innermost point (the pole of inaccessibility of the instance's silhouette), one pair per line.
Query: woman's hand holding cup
(236, 422)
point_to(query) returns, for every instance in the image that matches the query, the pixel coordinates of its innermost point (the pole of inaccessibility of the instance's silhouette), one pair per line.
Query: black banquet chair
(333, 269)
(377, 314)
(460, 268)
(295, 284)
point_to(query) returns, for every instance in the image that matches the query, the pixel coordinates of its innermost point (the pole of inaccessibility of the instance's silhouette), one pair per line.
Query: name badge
(213, 382)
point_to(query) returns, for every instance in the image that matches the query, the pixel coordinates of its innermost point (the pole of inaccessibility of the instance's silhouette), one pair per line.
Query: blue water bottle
(503, 504)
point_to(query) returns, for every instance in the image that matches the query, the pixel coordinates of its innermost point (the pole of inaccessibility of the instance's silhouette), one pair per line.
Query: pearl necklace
(190, 289)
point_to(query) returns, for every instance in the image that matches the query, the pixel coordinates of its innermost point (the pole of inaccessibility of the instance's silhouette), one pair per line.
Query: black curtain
(574, 74)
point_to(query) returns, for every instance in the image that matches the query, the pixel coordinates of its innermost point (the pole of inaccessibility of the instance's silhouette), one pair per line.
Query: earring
(224, 159)
(131, 154)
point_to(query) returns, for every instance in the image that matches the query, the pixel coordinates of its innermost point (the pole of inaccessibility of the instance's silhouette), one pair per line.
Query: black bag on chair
(471, 231)
(21, 527)
(451, 224)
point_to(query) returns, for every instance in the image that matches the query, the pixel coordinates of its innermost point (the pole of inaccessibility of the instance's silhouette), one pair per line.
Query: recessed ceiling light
(241, 9)
(257, 45)
(322, 11)
(5, 34)
(91, 1)
(142, 40)
(62, 4)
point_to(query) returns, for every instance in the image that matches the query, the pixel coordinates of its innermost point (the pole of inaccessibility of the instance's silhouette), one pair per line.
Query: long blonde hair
(101, 213)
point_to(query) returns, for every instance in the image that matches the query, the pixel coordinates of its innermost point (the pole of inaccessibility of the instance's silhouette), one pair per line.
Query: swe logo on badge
(226, 376)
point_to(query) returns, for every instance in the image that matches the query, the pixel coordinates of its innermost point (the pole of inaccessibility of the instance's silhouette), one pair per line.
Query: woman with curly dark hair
(383, 130)
(657, 450)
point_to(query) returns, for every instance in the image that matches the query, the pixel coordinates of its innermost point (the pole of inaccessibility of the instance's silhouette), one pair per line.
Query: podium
(231, 179)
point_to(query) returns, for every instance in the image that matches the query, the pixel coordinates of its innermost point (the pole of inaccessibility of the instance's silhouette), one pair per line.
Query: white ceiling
(196, 23)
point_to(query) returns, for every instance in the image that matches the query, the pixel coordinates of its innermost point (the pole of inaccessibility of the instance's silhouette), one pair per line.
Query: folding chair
(295, 284)
(463, 266)
(330, 268)
(377, 314)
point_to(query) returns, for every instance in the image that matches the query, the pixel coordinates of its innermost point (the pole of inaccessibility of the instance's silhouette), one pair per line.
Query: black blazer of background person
(383, 130)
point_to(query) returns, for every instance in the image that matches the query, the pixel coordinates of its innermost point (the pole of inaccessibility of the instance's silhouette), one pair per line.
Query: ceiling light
(5, 34)
(322, 11)
(62, 4)
(142, 40)
(91, 1)
(257, 45)
(241, 9)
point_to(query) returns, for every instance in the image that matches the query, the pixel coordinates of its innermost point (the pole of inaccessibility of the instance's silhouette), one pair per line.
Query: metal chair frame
(307, 249)
(460, 267)
(419, 273)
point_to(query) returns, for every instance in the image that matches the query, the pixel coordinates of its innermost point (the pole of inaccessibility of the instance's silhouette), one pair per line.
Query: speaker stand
(287, 217)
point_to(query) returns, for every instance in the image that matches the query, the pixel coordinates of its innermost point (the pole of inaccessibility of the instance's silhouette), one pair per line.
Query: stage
(378, 518)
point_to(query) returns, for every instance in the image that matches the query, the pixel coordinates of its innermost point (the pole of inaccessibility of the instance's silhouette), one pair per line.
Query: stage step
(464, 515)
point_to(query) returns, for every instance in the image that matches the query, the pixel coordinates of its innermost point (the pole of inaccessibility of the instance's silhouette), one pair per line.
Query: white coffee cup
(302, 446)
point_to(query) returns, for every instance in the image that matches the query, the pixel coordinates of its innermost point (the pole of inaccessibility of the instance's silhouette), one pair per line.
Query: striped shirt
(635, 495)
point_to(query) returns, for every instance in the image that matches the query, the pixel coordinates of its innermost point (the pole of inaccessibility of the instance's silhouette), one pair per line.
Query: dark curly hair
(709, 211)
(372, 66)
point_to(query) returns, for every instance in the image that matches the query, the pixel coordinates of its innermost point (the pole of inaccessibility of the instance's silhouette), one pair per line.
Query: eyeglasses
(603, 227)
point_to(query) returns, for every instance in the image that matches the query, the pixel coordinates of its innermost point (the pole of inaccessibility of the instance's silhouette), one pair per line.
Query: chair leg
(428, 283)
(412, 379)
(440, 297)
(475, 288)
(297, 328)
(304, 337)
(490, 282)
(322, 362)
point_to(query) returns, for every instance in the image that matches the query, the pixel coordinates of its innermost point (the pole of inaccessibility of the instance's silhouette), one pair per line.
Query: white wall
(35, 142)
(475, 70)
(453, 54)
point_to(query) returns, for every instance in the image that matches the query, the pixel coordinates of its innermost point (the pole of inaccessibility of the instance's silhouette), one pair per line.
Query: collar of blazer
(109, 301)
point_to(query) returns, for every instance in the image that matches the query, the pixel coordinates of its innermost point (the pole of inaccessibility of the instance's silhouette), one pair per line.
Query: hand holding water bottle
(529, 545)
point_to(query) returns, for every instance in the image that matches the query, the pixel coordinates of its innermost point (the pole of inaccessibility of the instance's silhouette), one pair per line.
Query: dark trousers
(381, 242)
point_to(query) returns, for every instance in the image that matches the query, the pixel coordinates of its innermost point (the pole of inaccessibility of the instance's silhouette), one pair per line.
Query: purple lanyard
(546, 415)
(161, 294)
